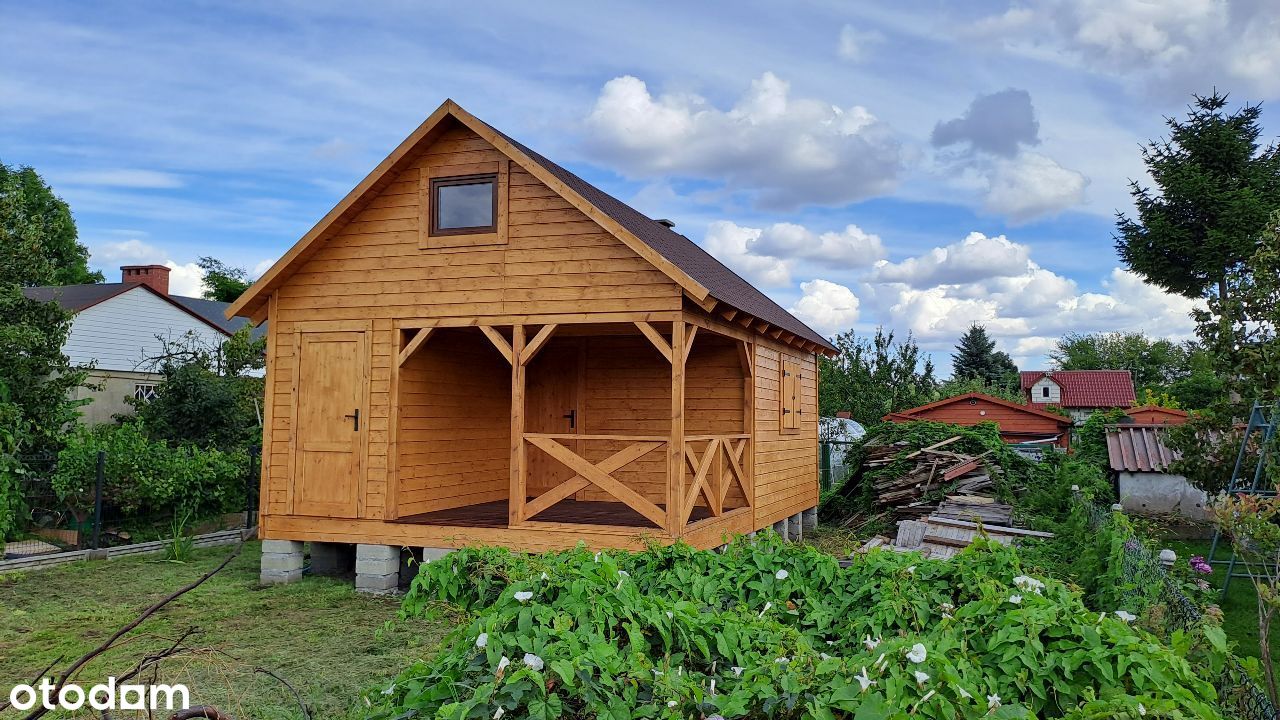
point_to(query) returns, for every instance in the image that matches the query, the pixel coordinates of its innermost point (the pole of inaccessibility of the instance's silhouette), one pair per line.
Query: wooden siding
(556, 266)
(374, 268)
(120, 332)
(454, 424)
(786, 461)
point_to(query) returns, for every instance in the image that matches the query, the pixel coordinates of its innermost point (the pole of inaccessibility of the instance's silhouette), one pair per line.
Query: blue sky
(921, 165)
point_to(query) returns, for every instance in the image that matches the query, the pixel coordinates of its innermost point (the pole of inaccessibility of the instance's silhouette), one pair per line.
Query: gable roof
(700, 275)
(913, 412)
(78, 298)
(1170, 413)
(1138, 448)
(1087, 388)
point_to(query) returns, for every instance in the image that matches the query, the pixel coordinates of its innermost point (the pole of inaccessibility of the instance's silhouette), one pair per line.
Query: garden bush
(141, 473)
(772, 630)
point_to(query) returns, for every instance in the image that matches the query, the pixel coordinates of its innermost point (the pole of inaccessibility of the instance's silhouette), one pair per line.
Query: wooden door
(553, 406)
(330, 424)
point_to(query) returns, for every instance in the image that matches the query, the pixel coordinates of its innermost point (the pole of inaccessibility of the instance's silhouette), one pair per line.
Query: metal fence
(832, 469)
(49, 523)
(1238, 694)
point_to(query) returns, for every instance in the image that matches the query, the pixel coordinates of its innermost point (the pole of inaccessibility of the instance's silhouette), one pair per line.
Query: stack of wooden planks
(931, 468)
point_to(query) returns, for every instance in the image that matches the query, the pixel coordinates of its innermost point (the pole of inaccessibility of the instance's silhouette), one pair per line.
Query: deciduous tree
(873, 376)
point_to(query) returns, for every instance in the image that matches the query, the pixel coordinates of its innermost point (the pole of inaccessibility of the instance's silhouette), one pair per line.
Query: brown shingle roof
(726, 285)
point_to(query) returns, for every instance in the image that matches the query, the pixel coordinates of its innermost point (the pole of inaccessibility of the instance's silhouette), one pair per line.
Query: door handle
(354, 416)
(572, 416)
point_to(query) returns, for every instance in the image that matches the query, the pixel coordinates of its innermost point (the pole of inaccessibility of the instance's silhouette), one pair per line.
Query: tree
(976, 358)
(207, 397)
(1241, 335)
(1155, 364)
(872, 377)
(1213, 192)
(37, 234)
(221, 281)
(34, 374)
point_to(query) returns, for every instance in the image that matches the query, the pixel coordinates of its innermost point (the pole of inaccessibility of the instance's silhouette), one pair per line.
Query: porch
(641, 427)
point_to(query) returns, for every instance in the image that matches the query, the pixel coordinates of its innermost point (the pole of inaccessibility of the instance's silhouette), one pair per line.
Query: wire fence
(832, 468)
(52, 522)
(1238, 694)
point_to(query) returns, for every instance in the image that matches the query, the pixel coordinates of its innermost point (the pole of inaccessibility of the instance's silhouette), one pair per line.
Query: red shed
(1018, 423)
(1156, 415)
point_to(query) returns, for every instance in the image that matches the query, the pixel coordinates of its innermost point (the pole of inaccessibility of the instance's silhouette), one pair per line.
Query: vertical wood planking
(516, 498)
(675, 447)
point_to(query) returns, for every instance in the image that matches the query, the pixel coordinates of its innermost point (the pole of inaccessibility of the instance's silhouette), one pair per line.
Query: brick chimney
(155, 277)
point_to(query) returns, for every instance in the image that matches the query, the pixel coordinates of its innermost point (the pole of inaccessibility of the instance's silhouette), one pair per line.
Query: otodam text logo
(105, 696)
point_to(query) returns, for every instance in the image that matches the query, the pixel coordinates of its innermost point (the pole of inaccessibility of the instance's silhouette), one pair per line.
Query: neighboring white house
(119, 326)
(1079, 392)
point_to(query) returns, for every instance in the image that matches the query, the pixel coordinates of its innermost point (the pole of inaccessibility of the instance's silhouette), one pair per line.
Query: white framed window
(144, 392)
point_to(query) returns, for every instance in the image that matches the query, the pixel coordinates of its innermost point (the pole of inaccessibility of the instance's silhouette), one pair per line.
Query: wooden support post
(675, 448)
(519, 463)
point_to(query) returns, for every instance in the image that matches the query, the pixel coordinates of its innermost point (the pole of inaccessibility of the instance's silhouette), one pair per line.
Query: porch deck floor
(583, 512)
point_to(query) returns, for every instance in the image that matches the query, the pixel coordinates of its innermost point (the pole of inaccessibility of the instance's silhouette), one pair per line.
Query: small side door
(330, 423)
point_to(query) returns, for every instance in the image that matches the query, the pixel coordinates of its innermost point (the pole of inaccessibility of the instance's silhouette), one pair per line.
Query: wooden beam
(614, 462)
(699, 483)
(744, 360)
(688, 342)
(729, 314)
(656, 338)
(418, 339)
(536, 343)
(500, 342)
(736, 467)
(746, 320)
(519, 459)
(599, 478)
(675, 448)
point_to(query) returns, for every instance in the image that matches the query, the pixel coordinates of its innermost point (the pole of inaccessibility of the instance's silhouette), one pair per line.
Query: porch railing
(713, 465)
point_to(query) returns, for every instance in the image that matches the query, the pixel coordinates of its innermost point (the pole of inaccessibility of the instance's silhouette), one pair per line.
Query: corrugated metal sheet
(1138, 448)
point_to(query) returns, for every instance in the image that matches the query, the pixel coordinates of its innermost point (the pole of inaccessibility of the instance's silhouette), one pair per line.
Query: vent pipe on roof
(666, 223)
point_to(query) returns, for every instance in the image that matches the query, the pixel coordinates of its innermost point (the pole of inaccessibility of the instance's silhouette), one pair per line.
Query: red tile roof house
(1018, 423)
(1079, 392)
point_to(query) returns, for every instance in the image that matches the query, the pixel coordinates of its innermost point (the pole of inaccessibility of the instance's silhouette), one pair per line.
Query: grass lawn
(1239, 607)
(318, 634)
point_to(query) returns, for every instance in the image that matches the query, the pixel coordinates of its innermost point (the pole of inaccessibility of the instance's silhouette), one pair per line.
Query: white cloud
(852, 247)
(826, 306)
(262, 266)
(1026, 307)
(783, 152)
(121, 178)
(977, 257)
(1032, 185)
(729, 242)
(854, 44)
(1176, 45)
(185, 279)
(769, 256)
(127, 252)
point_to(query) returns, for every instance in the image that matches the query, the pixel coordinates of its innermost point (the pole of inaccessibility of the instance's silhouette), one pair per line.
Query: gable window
(1044, 391)
(463, 205)
(143, 392)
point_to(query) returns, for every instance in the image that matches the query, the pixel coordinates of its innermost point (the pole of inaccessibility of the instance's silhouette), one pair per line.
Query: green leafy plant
(181, 543)
(141, 474)
(773, 630)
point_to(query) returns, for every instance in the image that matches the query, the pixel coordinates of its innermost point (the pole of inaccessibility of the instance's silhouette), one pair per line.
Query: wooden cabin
(1018, 423)
(477, 346)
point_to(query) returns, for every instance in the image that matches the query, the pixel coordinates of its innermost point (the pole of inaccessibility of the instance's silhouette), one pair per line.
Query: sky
(920, 166)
